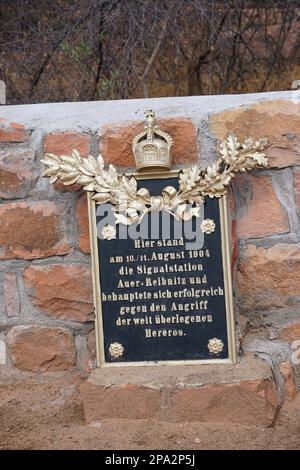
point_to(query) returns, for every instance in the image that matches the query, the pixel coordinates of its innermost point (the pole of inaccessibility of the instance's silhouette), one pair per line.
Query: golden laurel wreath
(131, 204)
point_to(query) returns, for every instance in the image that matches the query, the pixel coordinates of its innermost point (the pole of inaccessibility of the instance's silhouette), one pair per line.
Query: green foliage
(108, 88)
(79, 53)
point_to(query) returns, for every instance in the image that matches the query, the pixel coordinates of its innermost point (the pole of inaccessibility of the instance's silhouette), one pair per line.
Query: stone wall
(46, 311)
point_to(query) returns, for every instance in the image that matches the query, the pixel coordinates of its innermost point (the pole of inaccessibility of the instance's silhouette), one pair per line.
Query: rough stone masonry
(46, 310)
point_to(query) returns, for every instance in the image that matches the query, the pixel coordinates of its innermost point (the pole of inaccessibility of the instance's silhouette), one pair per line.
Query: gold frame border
(226, 262)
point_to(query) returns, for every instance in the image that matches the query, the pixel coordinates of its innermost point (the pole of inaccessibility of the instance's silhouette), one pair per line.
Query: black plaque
(158, 300)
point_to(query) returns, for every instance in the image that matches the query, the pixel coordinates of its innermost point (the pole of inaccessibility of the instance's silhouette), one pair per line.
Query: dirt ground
(46, 413)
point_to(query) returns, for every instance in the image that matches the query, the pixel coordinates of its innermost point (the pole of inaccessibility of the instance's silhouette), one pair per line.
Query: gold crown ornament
(152, 150)
(152, 147)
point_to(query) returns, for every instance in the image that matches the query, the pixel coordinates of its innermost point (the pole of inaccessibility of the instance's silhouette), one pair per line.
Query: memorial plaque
(160, 250)
(164, 299)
